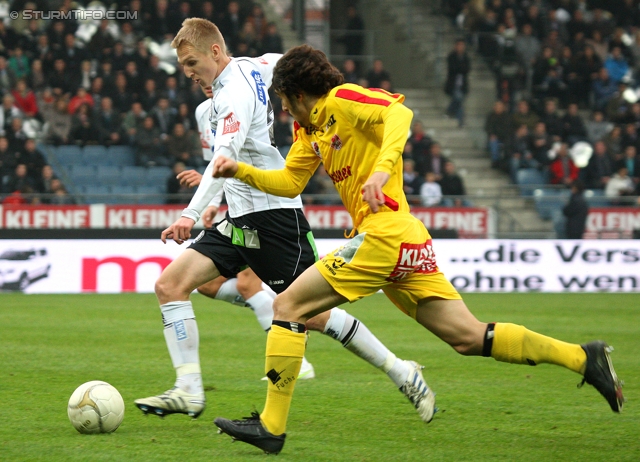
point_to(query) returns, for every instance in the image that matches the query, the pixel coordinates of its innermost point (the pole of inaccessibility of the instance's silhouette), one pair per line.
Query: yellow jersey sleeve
(300, 164)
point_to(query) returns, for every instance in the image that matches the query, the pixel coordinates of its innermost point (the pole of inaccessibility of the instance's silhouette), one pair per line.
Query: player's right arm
(300, 164)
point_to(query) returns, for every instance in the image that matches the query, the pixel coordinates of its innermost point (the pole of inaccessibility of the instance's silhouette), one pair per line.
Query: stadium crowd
(568, 80)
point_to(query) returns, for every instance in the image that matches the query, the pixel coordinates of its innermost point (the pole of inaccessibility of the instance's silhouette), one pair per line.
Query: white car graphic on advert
(19, 268)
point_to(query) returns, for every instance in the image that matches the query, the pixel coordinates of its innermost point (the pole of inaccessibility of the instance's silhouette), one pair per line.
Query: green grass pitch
(50, 344)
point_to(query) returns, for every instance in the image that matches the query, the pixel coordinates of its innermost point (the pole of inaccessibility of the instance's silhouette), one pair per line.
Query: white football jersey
(241, 122)
(206, 140)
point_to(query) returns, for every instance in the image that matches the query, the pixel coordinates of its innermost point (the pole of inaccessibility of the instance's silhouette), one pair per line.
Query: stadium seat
(82, 175)
(133, 176)
(529, 179)
(157, 176)
(596, 198)
(49, 152)
(95, 155)
(150, 195)
(108, 175)
(121, 155)
(547, 200)
(96, 194)
(69, 155)
(123, 194)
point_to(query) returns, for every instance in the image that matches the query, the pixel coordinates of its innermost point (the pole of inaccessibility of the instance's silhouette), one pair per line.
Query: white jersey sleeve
(204, 129)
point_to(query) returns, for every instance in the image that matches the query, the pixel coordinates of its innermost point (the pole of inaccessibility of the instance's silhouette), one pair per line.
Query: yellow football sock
(285, 350)
(517, 344)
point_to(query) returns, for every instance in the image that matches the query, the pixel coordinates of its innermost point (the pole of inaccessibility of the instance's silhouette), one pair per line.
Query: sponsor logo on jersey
(336, 142)
(204, 143)
(414, 258)
(262, 61)
(341, 175)
(332, 120)
(278, 282)
(316, 148)
(262, 96)
(231, 124)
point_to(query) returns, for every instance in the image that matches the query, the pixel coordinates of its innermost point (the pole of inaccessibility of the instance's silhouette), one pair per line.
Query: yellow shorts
(393, 252)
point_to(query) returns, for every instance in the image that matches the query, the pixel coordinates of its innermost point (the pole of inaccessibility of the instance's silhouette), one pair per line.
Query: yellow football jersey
(356, 132)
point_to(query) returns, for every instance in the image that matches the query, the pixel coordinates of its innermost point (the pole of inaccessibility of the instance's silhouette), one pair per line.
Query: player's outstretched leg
(357, 338)
(451, 321)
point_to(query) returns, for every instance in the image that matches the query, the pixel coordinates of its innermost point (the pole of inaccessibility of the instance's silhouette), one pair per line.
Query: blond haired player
(359, 134)
(270, 234)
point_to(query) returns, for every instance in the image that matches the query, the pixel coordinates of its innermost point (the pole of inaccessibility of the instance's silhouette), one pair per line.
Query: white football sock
(228, 292)
(358, 339)
(262, 305)
(183, 341)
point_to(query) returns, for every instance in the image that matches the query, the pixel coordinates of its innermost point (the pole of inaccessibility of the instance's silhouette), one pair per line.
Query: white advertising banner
(113, 266)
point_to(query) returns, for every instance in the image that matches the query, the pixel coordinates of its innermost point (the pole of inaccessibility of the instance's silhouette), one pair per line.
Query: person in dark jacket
(576, 211)
(457, 84)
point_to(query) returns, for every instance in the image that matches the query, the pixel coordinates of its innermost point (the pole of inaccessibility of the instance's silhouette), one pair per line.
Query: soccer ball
(96, 407)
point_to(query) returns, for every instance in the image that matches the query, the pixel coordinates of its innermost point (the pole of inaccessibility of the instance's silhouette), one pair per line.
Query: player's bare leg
(190, 270)
(452, 321)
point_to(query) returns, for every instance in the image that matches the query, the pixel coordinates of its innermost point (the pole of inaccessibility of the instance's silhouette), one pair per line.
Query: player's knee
(282, 310)
(167, 290)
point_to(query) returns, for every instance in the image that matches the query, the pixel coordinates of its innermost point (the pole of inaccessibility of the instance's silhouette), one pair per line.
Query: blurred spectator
(498, 128)
(165, 116)
(7, 76)
(208, 11)
(16, 134)
(97, 91)
(155, 72)
(430, 191)
(597, 127)
(160, 21)
(118, 58)
(576, 212)
(186, 117)
(230, 24)
(632, 162)
(520, 155)
(174, 94)
(618, 106)
(257, 20)
(71, 53)
(18, 180)
(588, 65)
(108, 77)
(44, 182)
(8, 161)
(134, 78)
(272, 40)
(149, 96)
(552, 120)
(349, 72)
(614, 142)
(37, 80)
(60, 194)
(420, 144)
(83, 127)
(540, 144)
(149, 147)
(129, 38)
(184, 147)
(25, 99)
(102, 41)
(120, 96)
(178, 194)
(599, 169)
(8, 113)
(452, 185)
(61, 78)
(108, 123)
(19, 63)
(353, 39)
(283, 132)
(527, 47)
(604, 88)
(412, 181)
(573, 126)
(133, 120)
(33, 158)
(524, 116)
(562, 170)
(58, 124)
(436, 161)
(619, 185)
(457, 83)
(377, 74)
(629, 138)
(81, 98)
(617, 65)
